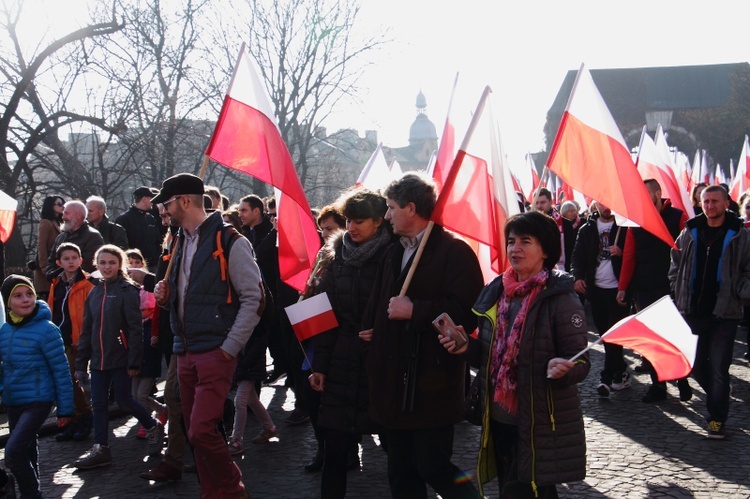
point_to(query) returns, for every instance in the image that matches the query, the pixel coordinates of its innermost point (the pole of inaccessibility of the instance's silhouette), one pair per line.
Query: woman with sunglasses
(49, 229)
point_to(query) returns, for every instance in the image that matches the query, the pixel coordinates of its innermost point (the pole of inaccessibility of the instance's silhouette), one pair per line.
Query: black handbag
(472, 404)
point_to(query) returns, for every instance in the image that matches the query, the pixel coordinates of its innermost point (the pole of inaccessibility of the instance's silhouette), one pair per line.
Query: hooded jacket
(551, 438)
(734, 268)
(112, 333)
(34, 365)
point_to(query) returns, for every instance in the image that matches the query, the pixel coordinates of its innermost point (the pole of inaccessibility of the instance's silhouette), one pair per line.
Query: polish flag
(659, 333)
(677, 170)
(590, 154)
(395, 168)
(8, 210)
(447, 150)
(535, 180)
(478, 197)
(741, 181)
(247, 139)
(311, 317)
(376, 174)
(651, 166)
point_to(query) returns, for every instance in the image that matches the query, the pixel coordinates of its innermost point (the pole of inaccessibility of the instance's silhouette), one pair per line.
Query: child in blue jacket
(35, 374)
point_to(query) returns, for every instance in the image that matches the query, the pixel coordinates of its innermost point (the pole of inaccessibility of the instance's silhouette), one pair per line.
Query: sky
(521, 49)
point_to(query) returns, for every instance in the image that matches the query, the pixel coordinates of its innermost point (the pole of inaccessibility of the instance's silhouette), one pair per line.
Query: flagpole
(417, 256)
(204, 166)
(588, 347)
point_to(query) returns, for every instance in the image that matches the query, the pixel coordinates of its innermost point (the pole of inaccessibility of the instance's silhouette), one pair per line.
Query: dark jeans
(505, 442)
(122, 388)
(712, 360)
(21, 453)
(606, 312)
(416, 457)
(333, 479)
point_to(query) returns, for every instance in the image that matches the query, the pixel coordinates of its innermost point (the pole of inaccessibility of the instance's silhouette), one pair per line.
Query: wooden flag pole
(204, 166)
(417, 256)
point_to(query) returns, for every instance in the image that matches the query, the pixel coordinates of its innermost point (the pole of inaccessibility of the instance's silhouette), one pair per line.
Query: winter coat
(112, 334)
(414, 382)
(586, 252)
(86, 238)
(34, 365)
(75, 303)
(143, 233)
(48, 232)
(734, 268)
(551, 438)
(339, 353)
(113, 233)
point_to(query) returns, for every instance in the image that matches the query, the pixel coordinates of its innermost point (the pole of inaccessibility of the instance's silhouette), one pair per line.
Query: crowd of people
(188, 281)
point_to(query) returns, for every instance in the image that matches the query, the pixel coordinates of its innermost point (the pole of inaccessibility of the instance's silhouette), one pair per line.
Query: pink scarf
(504, 363)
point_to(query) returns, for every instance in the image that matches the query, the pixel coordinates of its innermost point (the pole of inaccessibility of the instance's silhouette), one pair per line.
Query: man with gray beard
(75, 230)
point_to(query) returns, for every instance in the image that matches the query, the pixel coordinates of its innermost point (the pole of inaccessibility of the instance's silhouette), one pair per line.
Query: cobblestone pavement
(635, 450)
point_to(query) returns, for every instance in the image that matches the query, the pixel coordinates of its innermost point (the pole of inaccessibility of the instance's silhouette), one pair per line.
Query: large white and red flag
(247, 139)
(8, 211)
(651, 166)
(741, 181)
(311, 317)
(677, 170)
(590, 154)
(659, 333)
(478, 196)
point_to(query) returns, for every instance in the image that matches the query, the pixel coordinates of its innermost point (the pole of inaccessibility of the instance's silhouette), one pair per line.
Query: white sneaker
(621, 382)
(603, 390)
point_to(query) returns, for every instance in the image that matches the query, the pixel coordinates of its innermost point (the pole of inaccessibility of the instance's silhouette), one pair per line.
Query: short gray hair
(98, 200)
(79, 206)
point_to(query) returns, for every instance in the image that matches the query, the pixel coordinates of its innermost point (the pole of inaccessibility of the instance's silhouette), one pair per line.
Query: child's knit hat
(10, 283)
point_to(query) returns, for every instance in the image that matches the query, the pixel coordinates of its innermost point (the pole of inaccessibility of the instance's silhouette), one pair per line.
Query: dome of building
(422, 129)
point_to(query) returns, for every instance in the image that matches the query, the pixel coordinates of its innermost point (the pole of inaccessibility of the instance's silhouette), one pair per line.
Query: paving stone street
(635, 450)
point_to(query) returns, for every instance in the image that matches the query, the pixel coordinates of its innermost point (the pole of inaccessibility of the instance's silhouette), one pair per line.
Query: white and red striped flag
(312, 316)
(673, 166)
(590, 154)
(8, 211)
(741, 181)
(246, 138)
(651, 166)
(376, 174)
(478, 196)
(447, 151)
(659, 333)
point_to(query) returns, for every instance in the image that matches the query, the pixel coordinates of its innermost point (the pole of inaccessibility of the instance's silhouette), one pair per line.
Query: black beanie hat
(9, 285)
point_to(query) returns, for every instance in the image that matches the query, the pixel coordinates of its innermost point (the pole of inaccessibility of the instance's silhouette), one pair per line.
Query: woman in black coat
(339, 355)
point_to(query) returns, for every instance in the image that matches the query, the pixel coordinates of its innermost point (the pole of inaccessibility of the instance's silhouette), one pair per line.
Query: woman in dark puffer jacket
(339, 355)
(530, 322)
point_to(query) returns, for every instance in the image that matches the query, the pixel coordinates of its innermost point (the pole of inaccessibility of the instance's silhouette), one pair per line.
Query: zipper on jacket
(533, 424)
(101, 328)
(551, 406)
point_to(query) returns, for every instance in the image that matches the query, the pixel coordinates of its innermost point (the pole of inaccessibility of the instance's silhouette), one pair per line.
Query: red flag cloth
(478, 195)
(590, 154)
(8, 210)
(311, 317)
(247, 139)
(659, 333)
